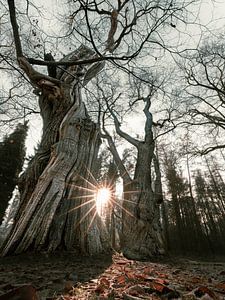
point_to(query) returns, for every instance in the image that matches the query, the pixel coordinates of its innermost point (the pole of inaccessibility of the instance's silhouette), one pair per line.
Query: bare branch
(148, 115)
(15, 27)
(210, 149)
(112, 31)
(123, 172)
(121, 133)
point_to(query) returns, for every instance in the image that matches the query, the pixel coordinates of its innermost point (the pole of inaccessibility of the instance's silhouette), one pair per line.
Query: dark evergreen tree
(12, 154)
(177, 189)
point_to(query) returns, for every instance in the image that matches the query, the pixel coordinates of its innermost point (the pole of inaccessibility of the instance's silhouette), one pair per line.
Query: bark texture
(141, 229)
(141, 233)
(57, 208)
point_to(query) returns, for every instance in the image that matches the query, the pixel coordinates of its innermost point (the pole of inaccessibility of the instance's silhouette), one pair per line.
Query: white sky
(211, 14)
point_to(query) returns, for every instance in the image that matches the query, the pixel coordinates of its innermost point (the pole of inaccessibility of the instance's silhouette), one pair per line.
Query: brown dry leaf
(202, 290)
(147, 270)
(161, 281)
(160, 288)
(161, 275)
(131, 276)
(136, 290)
(103, 284)
(68, 286)
(196, 280)
(143, 277)
(221, 286)
(120, 279)
(121, 262)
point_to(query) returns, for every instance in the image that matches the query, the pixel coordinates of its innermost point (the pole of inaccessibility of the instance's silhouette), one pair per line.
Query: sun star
(103, 195)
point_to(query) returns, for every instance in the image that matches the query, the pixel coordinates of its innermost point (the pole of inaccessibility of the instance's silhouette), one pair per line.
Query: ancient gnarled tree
(56, 209)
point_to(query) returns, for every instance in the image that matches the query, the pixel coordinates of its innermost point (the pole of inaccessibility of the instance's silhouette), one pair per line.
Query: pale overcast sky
(211, 14)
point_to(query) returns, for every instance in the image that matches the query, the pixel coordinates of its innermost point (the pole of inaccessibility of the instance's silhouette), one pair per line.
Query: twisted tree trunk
(57, 208)
(142, 232)
(141, 236)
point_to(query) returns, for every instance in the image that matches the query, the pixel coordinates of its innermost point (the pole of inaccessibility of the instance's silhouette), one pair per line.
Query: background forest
(137, 106)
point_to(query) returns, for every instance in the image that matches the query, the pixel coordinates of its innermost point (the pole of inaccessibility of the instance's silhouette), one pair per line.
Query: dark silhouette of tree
(193, 219)
(204, 92)
(177, 189)
(208, 222)
(12, 155)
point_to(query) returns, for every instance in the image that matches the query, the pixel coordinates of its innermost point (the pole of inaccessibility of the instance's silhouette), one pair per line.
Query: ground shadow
(50, 273)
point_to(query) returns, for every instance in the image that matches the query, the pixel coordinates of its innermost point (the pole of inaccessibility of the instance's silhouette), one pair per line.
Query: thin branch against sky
(209, 14)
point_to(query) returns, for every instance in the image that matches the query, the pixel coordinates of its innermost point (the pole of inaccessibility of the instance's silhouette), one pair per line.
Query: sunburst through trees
(99, 199)
(102, 197)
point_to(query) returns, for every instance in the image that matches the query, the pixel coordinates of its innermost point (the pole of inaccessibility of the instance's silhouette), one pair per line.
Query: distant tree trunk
(166, 225)
(202, 198)
(175, 186)
(55, 210)
(216, 184)
(113, 229)
(195, 222)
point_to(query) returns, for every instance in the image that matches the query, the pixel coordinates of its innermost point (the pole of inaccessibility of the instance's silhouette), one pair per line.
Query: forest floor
(68, 277)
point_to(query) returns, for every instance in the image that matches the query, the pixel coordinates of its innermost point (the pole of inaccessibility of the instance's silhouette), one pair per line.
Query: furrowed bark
(141, 229)
(142, 233)
(57, 209)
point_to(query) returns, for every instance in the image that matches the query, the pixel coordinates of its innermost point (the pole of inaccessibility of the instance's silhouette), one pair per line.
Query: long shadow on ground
(50, 274)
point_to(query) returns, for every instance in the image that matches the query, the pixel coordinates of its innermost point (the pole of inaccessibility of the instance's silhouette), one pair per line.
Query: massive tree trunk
(57, 208)
(141, 236)
(142, 233)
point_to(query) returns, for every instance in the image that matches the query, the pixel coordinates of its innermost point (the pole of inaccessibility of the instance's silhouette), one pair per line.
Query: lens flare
(94, 198)
(103, 196)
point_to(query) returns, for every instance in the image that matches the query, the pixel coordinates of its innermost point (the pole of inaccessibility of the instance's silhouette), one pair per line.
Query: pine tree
(12, 155)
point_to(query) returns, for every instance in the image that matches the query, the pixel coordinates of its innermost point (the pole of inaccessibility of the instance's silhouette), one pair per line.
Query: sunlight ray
(124, 199)
(132, 192)
(82, 188)
(82, 197)
(130, 201)
(122, 174)
(84, 217)
(92, 176)
(129, 213)
(81, 205)
(112, 180)
(86, 180)
(91, 222)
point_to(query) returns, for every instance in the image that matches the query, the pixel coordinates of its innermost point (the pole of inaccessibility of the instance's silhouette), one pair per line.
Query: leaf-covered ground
(68, 277)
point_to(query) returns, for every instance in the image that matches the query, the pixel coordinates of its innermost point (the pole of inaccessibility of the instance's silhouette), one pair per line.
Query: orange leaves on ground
(120, 279)
(126, 279)
(203, 290)
(121, 262)
(136, 290)
(147, 270)
(161, 275)
(103, 284)
(160, 288)
(195, 280)
(221, 286)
